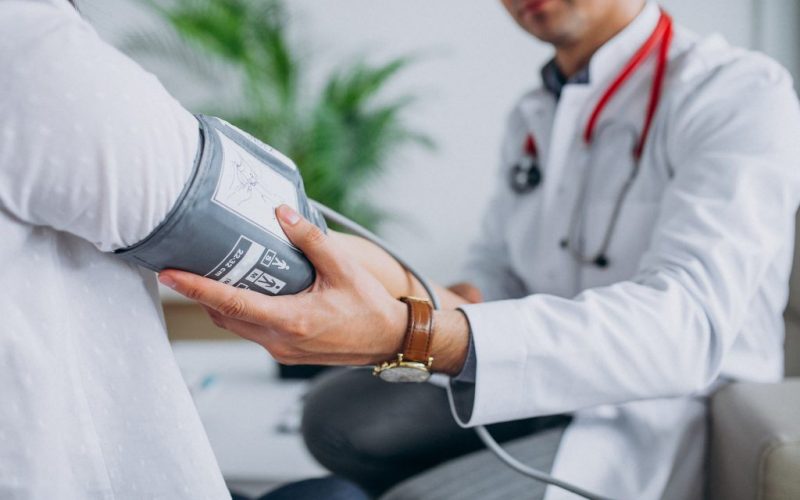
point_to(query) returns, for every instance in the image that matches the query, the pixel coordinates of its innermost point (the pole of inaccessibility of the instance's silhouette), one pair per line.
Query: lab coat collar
(608, 60)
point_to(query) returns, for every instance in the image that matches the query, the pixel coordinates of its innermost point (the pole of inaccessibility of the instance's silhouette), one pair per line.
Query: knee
(351, 417)
(337, 410)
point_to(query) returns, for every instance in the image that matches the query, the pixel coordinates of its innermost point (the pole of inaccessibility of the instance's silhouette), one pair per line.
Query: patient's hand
(467, 291)
(397, 281)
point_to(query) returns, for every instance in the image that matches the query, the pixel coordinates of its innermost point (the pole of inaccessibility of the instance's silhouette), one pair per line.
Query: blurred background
(469, 63)
(394, 112)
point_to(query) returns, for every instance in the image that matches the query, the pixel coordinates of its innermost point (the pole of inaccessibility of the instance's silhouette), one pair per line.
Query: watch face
(405, 374)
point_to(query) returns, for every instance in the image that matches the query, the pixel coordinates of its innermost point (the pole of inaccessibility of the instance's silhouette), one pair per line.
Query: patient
(93, 154)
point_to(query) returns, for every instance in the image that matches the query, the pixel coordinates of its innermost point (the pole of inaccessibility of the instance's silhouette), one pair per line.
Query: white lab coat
(698, 270)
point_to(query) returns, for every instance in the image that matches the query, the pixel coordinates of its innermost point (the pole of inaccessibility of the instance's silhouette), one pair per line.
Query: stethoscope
(526, 175)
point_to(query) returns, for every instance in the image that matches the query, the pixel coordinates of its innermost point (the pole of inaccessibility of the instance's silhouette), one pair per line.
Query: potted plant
(340, 136)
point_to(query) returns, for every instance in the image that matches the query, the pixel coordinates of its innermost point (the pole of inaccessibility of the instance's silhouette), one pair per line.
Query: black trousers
(377, 434)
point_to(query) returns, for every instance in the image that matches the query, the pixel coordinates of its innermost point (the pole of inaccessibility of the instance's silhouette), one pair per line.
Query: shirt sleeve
(724, 218)
(90, 143)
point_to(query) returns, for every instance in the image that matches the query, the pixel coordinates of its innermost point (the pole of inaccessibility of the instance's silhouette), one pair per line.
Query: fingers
(286, 349)
(281, 351)
(227, 300)
(244, 329)
(320, 250)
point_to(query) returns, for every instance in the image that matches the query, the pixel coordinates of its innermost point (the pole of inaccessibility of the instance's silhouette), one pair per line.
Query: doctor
(634, 257)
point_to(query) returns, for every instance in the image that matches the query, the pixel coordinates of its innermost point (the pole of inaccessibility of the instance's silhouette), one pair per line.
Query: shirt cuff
(462, 386)
(503, 374)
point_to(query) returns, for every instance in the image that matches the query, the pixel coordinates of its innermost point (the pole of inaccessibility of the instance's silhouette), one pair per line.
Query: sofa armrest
(755, 442)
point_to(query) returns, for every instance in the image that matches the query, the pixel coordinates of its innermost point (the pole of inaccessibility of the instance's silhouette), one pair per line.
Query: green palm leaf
(340, 139)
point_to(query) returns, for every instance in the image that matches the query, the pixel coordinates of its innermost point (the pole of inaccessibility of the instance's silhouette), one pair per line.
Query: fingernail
(288, 215)
(167, 280)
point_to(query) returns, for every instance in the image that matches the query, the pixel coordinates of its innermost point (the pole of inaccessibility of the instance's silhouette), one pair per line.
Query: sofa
(754, 449)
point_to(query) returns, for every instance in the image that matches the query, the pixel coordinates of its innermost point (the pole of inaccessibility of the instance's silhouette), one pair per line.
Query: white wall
(475, 64)
(775, 32)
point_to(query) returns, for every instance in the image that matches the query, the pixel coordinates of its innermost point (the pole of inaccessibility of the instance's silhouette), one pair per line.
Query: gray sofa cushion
(755, 442)
(792, 314)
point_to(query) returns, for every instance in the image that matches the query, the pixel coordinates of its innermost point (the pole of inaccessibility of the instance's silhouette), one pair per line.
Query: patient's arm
(347, 317)
(395, 278)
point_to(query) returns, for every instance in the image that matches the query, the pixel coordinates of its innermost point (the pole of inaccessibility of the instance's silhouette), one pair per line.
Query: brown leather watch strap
(417, 344)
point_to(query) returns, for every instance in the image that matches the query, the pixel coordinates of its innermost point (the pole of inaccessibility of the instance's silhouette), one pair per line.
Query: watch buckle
(386, 365)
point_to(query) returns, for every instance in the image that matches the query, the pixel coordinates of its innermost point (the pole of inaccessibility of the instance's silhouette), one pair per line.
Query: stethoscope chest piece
(526, 174)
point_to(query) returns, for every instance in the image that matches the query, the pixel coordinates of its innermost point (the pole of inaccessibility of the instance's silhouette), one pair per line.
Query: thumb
(323, 253)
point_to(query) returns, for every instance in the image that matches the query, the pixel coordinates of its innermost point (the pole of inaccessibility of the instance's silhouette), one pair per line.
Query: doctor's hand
(346, 317)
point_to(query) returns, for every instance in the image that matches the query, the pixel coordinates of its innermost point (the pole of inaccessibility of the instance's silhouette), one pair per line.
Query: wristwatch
(414, 363)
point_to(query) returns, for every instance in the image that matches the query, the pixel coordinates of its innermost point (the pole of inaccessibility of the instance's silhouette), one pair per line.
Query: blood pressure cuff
(223, 225)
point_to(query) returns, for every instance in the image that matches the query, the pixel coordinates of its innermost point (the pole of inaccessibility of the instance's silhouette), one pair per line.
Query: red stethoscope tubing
(661, 37)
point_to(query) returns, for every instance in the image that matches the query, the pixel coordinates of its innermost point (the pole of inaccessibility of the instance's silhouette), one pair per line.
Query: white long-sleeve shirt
(93, 154)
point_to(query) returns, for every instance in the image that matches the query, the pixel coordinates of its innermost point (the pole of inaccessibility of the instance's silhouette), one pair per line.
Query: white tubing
(483, 434)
